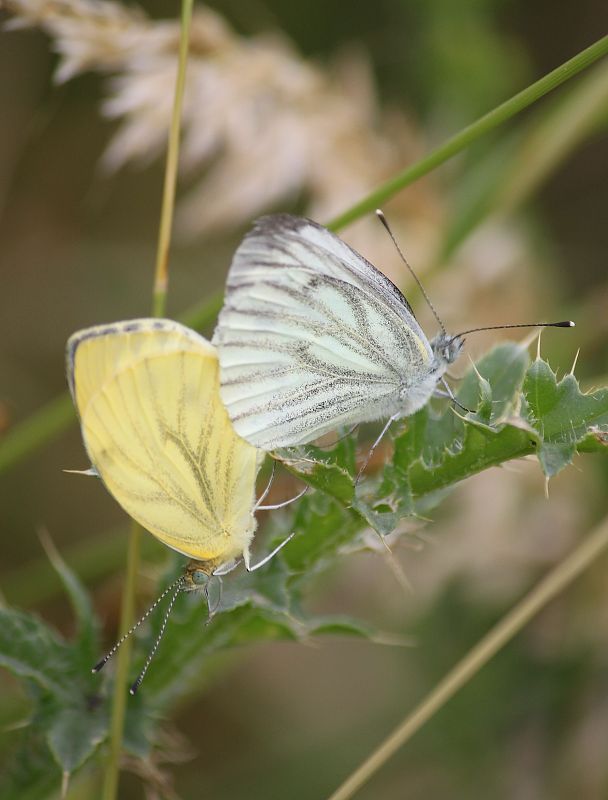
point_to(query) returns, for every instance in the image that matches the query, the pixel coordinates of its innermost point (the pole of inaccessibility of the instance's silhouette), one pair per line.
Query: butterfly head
(198, 574)
(446, 349)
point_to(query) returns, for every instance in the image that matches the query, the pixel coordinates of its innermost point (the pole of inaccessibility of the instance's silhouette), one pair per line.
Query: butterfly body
(312, 336)
(158, 436)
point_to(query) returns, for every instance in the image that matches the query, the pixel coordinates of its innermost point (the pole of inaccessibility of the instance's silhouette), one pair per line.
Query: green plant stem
(119, 699)
(554, 136)
(473, 132)
(548, 588)
(42, 426)
(522, 162)
(161, 276)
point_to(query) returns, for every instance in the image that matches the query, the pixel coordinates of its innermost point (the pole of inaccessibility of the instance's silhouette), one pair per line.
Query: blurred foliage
(521, 409)
(77, 249)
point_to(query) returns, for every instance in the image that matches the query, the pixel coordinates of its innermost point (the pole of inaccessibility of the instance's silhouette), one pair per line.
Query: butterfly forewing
(147, 393)
(311, 336)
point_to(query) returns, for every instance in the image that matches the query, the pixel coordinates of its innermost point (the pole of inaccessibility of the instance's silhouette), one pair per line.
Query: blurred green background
(78, 247)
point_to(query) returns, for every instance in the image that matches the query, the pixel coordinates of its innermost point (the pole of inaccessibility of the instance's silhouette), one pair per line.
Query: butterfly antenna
(564, 324)
(152, 652)
(178, 583)
(264, 494)
(383, 220)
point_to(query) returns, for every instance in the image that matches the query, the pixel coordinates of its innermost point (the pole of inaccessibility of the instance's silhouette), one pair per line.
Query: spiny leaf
(330, 470)
(322, 525)
(347, 626)
(562, 415)
(530, 413)
(75, 735)
(87, 625)
(189, 642)
(258, 606)
(499, 374)
(30, 649)
(32, 773)
(65, 712)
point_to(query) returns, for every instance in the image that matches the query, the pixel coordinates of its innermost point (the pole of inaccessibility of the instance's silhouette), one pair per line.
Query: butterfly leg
(450, 395)
(264, 494)
(284, 503)
(226, 568)
(212, 611)
(348, 433)
(266, 559)
(259, 507)
(374, 446)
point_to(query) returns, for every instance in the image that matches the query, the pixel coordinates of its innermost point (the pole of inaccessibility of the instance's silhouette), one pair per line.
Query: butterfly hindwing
(147, 393)
(311, 336)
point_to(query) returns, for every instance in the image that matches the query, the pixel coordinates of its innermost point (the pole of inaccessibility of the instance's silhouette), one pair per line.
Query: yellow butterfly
(159, 437)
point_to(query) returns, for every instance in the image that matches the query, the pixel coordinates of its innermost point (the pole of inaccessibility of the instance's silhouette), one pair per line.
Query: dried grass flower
(261, 125)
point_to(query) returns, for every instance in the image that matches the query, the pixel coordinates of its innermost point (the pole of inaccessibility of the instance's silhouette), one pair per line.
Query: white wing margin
(312, 336)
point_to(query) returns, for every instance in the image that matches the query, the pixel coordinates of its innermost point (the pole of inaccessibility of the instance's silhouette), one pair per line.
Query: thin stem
(110, 788)
(549, 587)
(40, 427)
(472, 132)
(161, 276)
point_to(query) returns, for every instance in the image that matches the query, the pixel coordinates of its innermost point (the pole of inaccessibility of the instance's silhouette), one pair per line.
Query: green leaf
(561, 415)
(520, 409)
(497, 378)
(30, 649)
(331, 469)
(322, 526)
(65, 711)
(75, 734)
(347, 626)
(190, 641)
(87, 627)
(32, 773)
(254, 606)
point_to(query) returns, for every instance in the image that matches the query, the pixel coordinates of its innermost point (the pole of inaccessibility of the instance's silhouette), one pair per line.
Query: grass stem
(119, 698)
(161, 275)
(161, 281)
(549, 587)
(472, 132)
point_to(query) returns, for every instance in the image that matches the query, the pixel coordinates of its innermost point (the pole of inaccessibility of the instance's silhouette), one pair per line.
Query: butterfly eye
(448, 348)
(199, 577)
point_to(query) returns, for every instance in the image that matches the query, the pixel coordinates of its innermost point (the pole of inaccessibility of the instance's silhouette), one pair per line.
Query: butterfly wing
(312, 336)
(147, 393)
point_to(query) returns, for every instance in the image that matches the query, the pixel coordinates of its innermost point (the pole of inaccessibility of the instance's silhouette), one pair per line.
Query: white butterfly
(312, 336)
